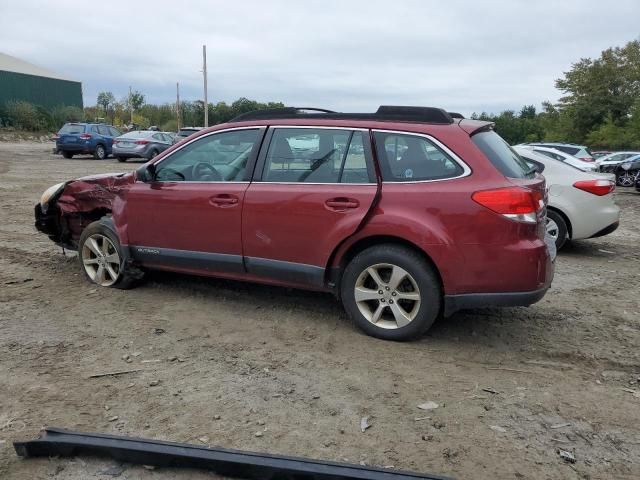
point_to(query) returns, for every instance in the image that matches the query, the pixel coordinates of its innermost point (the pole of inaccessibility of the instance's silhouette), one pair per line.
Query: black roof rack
(384, 113)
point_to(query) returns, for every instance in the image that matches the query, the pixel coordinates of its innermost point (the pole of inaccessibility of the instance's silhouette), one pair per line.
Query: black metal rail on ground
(234, 463)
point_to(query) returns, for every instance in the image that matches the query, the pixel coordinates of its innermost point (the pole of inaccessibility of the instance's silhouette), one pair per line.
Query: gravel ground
(221, 361)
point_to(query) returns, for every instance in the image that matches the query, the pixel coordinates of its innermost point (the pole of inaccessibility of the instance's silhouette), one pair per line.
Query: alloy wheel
(627, 179)
(387, 296)
(101, 260)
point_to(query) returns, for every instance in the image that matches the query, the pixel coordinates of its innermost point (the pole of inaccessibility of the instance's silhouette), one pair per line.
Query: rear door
(107, 137)
(311, 190)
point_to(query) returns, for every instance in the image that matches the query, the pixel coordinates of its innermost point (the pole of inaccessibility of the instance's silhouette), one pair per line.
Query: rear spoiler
(475, 126)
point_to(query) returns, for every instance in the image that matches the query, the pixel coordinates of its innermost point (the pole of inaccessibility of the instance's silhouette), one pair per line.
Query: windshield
(501, 155)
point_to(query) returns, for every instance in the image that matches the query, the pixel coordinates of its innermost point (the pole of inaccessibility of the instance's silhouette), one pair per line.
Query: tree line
(599, 107)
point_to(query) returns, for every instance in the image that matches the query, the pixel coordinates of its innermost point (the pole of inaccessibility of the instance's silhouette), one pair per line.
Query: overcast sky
(347, 55)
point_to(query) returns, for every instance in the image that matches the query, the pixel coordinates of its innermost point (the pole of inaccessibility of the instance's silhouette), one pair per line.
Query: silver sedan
(140, 144)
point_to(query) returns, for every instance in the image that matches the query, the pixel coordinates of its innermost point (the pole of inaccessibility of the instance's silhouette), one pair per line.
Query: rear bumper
(453, 303)
(76, 147)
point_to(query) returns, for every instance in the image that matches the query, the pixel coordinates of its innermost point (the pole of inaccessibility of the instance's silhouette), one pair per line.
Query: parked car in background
(86, 138)
(579, 151)
(185, 132)
(608, 163)
(580, 204)
(563, 157)
(434, 215)
(140, 144)
(599, 153)
(628, 171)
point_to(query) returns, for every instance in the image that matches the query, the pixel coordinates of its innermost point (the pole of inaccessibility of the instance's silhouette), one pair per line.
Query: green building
(20, 80)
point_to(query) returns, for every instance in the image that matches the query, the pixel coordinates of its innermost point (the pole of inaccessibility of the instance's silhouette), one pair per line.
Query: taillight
(587, 159)
(596, 187)
(515, 203)
(142, 142)
(85, 136)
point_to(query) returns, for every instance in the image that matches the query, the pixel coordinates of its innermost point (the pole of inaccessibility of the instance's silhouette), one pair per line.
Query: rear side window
(501, 155)
(406, 158)
(308, 155)
(72, 129)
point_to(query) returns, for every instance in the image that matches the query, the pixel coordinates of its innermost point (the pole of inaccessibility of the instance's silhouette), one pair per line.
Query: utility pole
(130, 108)
(178, 104)
(204, 72)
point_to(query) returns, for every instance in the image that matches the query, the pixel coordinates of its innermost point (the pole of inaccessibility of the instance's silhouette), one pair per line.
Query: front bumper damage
(234, 463)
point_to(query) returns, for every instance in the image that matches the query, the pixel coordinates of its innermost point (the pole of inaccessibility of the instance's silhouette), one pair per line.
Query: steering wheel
(205, 171)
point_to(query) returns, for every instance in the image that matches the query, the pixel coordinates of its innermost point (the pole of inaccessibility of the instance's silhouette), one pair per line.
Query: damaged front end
(66, 209)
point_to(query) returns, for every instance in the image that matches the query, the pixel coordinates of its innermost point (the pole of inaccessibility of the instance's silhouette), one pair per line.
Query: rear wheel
(100, 152)
(557, 228)
(152, 154)
(391, 292)
(67, 154)
(102, 260)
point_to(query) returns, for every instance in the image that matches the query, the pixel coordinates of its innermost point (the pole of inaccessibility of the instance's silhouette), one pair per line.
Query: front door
(312, 189)
(189, 217)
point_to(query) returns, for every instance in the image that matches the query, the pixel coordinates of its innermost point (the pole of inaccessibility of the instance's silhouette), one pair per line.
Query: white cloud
(347, 55)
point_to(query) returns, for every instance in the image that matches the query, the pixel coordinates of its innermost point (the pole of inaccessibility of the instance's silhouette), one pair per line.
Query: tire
(626, 178)
(100, 153)
(557, 228)
(380, 305)
(152, 154)
(122, 159)
(67, 154)
(97, 246)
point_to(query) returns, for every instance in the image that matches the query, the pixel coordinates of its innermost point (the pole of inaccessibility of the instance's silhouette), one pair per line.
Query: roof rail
(384, 113)
(285, 112)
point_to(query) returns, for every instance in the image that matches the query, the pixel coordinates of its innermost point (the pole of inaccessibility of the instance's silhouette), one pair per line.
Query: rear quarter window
(501, 155)
(406, 158)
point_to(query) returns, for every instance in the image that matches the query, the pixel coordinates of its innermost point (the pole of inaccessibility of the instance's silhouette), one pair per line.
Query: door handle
(223, 200)
(342, 203)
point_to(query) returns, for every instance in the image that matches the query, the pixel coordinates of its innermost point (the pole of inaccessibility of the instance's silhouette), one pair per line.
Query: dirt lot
(235, 359)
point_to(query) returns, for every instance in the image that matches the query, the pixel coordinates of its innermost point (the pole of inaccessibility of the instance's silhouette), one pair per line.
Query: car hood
(93, 192)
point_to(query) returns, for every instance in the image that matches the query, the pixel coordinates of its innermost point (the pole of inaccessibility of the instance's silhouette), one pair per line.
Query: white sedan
(563, 157)
(580, 204)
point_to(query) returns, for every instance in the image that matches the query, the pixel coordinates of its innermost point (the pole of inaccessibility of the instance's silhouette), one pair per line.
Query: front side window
(406, 158)
(220, 157)
(104, 130)
(309, 155)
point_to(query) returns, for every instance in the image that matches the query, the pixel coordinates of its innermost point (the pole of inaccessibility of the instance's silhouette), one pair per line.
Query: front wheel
(102, 260)
(67, 154)
(391, 292)
(122, 159)
(626, 178)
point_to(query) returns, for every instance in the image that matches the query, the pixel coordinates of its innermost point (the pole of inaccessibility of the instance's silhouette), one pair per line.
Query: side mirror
(146, 173)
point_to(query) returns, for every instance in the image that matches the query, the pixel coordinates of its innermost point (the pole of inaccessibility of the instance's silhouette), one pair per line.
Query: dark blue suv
(91, 138)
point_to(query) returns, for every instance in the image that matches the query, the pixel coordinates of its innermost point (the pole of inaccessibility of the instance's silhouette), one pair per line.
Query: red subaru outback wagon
(405, 214)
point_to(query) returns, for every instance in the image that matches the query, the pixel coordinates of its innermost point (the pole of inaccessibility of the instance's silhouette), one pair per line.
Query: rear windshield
(501, 155)
(72, 129)
(569, 150)
(137, 134)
